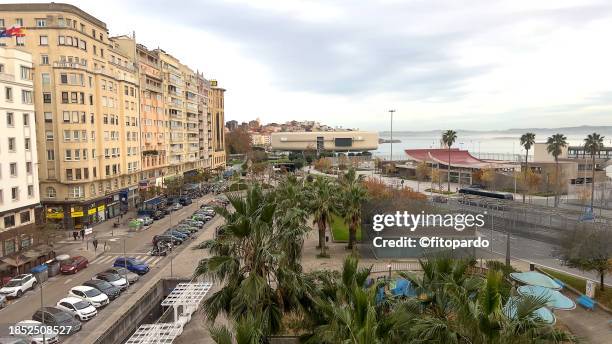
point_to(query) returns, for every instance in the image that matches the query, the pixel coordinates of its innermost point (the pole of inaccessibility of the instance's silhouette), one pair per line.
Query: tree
(593, 144)
(554, 146)
(588, 249)
(322, 204)
(422, 172)
(256, 254)
(436, 178)
(533, 181)
(343, 162)
(448, 138)
(238, 141)
(323, 165)
(527, 141)
(488, 177)
(174, 185)
(353, 197)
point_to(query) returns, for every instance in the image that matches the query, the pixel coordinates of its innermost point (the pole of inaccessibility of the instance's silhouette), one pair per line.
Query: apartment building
(19, 194)
(86, 101)
(216, 120)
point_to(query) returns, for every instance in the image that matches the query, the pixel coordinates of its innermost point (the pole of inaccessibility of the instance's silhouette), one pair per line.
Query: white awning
(187, 294)
(160, 333)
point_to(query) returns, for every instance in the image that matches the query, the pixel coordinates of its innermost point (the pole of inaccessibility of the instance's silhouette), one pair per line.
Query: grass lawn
(579, 284)
(340, 230)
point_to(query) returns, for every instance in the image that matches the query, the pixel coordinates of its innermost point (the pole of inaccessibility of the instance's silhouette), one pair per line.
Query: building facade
(19, 192)
(216, 120)
(331, 141)
(112, 114)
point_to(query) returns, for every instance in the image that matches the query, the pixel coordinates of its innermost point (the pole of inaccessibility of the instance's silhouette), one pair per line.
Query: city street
(136, 244)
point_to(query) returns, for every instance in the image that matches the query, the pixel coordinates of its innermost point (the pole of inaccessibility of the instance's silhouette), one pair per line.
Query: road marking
(68, 281)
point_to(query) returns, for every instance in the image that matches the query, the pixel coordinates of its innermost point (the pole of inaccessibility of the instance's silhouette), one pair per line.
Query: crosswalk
(109, 259)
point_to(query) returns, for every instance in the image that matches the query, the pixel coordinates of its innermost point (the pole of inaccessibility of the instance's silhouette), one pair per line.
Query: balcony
(66, 64)
(7, 77)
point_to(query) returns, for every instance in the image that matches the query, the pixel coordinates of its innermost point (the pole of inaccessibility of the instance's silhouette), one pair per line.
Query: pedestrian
(75, 234)
(95, 243)
(82, 234)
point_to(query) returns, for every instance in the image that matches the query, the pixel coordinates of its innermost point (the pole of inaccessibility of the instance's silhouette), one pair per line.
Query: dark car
(104, 287)
(158, 215)
(132, 264)
(73, 265)
(175, 233)
(185, 201)
(167, 238)
(57, 317)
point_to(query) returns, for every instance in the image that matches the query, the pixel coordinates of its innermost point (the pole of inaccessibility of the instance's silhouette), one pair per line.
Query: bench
(586, 302)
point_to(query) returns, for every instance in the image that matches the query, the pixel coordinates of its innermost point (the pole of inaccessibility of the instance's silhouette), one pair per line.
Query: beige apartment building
(216, 122)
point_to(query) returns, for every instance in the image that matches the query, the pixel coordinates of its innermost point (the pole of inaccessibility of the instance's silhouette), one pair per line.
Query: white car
(18, 285)
(80, 309)
(89, 294)
(35, 329)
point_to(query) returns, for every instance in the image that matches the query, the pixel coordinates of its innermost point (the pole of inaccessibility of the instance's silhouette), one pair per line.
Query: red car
(73, 265)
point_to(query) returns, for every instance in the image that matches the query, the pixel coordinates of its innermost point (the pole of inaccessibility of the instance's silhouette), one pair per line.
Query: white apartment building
(18, 159)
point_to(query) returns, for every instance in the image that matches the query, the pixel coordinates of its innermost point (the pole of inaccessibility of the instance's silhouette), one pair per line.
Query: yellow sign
(55, 215)
(101, 208)
(91, 211)
(76, 214)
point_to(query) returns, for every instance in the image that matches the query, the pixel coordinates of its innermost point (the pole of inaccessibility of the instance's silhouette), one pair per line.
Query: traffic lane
(57, 287)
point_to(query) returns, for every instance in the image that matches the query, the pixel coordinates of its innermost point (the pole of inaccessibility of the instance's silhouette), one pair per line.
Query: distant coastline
(381, 140)
(512, 131)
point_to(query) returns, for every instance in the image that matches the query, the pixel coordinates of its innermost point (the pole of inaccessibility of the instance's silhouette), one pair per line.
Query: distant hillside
(585, 129)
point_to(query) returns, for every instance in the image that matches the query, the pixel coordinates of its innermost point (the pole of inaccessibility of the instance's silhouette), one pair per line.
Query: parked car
(175, 233)
(110, 290)
(186, 227)
(79, 309)
(2, 302)
(18, 285)
(158, 215)
(35, 327)
(192, 222)
(176, 206)
(90, 294)
(73, 265)
(113, 279)
(185, 201)
(125, 273)
(132, 264)
(52, 316)
(167, 238)
(145, 220)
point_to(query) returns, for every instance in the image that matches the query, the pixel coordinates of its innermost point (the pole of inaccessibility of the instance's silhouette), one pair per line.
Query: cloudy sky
(441, 64)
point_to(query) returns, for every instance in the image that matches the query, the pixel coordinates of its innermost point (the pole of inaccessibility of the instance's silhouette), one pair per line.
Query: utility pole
(391, 112)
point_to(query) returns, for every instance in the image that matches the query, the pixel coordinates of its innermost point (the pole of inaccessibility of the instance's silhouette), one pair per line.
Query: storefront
(78, 217)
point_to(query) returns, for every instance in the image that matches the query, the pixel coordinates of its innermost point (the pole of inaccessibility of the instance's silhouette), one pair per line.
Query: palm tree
(255, 255)
(554, 146)
(448, 138)
(353, 197)
(592, 145)
(527, 141)
(322, 206)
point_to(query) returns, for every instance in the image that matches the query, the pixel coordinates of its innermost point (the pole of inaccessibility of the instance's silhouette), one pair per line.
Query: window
(15, 193)
(51, 193)
(24, 216)
(85, 173)
(77, 154)
(77, 174)
(64, 97)
(8, 94)
(41, 22)
(26, 97)
(10, 119)
(30, 190)
(49, 135)
(66, 116)
(26, 119)
(46, 79)
(27, 143)
(25, 72)
(48, 117)
(68, 155)
(67, 135)
(64, 78)
(50, 155)
(44, 59)
(76, 135)
(13, 169)
(84, 154)
(74, 97)
(47, 98)
(2, 23)
(19, 41)
(44, 40)
(69, 174)
(11, 144)
(9, 221)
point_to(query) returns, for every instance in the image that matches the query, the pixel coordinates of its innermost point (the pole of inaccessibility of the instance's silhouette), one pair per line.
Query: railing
(66, 64)
(7, 77)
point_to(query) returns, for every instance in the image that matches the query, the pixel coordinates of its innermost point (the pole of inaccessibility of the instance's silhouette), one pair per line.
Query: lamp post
(391, 112)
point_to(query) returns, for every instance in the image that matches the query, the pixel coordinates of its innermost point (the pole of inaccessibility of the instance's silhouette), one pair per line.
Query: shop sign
(55, 213)
(91, 211)
(101, 207)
